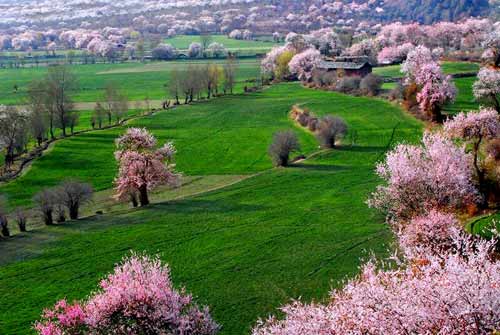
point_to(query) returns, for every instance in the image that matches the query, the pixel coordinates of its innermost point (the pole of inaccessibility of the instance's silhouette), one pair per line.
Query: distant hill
(429, 11)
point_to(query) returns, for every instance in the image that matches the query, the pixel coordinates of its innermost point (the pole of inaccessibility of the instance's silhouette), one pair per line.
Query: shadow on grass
(356, 148)
(319, 167)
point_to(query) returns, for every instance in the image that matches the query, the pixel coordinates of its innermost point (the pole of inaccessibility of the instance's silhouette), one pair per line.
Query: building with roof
(345, 66)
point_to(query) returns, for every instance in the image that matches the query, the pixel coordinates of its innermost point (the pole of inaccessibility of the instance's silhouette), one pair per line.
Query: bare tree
(174, 85)
(46, 201)
(116, 103)
(73, 120)
(13, 132)
(73, 195)
(205, 40)
(230, 68)
(21, 219)
(98, 115)
(40, 118)
(4, 222)
(59, 83)
(284, 143)
(120, 107)
(330, 130)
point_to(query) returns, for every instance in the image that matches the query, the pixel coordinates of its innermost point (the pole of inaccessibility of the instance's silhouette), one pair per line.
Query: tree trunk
(73, 212)
(143, 195)
(133, 199)
(47, 217)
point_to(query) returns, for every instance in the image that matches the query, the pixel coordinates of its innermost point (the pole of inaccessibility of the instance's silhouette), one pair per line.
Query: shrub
(137, 298)
(348, 84)
(21, 219)
(73, 195)
(46, 201)
(303, 118)
(371, 85)
(164, 52)
(313, 123)
(284, 143)
(397, 93)
(330, 130)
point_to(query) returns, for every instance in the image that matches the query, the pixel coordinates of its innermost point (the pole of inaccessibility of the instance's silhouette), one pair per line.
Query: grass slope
(394, 71)
(229, 135)
(136, 80)
(245, 249)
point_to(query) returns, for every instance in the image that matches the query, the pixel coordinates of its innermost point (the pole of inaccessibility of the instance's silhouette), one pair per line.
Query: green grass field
(243, 47)
(465, 100)
(136, 80)
(244, 249)
(393, 71)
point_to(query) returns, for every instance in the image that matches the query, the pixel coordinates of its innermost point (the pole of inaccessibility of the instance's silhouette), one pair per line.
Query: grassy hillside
(245, 249)
(229, 135)
(137, 80)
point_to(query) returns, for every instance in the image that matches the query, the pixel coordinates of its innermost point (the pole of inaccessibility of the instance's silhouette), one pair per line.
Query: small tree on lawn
(330, 130)
(142, 165)
(46, 201)
(284, 143)
(21, 219)
(73, 195)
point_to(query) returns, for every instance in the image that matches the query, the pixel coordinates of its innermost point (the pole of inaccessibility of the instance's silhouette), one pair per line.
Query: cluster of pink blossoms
(303, 64)
(484, 124)
(435, 89)
(142, 166)
(448, 294)
(436, 175)
(138, 298)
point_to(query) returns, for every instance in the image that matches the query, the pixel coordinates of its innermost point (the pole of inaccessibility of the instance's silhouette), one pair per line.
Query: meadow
(394, 71)
(136, 80)
(464, 101)
(241, 47)
(236, 248)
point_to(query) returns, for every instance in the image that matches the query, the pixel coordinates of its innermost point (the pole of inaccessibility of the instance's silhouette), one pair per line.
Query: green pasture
(182, 42)
(244, 249)
(394, 71)
(136, 80)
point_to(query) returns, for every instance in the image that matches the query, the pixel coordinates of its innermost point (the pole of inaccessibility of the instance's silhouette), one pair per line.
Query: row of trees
(198, 81)
(48, 106)
(328, 130)
(113, 107)
(53, 204)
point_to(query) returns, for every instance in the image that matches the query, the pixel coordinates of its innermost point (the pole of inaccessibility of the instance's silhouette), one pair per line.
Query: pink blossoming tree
(143, 166)
(138, 298)
(475, 128)
(436, 90)
(452, 294)
(303, 64)
(434, 175)
(487, 87)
